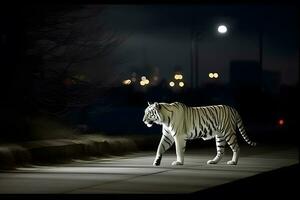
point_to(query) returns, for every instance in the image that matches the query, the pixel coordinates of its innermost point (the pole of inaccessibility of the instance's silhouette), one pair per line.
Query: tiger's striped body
(181, 123)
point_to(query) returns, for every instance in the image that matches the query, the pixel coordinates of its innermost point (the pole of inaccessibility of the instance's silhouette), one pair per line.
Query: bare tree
(69, 41)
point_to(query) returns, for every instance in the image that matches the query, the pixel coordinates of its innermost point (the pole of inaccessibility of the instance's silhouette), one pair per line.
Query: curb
(64, 150)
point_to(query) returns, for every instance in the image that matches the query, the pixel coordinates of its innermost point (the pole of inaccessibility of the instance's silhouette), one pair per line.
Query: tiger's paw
(231, 162)
(156, 163)
(177, 163)
(211, 162)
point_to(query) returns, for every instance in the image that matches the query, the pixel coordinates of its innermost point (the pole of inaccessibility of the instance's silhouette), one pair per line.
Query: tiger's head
(152, 114)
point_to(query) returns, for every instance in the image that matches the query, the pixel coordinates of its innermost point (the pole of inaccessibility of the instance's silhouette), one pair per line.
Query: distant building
(245, 74)
(271, 81)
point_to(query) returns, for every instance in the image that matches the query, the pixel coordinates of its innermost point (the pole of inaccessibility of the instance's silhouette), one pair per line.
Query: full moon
(222, 29)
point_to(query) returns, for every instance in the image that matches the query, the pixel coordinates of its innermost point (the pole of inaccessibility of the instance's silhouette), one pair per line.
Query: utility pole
(192, 59)
(196, 59)
(261, 46)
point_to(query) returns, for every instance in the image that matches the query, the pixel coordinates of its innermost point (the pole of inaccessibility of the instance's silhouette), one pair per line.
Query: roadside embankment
(64, 150)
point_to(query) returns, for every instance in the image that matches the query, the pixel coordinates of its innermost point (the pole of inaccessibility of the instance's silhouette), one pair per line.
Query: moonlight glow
(222, 29)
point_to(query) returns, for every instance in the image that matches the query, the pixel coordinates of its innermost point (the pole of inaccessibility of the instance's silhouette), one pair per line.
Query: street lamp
(222, 29)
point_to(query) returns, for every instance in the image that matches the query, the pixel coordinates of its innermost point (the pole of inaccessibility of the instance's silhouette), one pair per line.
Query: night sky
(159, 36)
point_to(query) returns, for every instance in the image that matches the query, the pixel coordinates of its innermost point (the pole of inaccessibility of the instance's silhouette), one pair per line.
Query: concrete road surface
(135, 174)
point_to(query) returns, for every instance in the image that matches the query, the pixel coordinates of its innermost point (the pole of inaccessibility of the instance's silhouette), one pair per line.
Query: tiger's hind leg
(231, 139)
(220, 145)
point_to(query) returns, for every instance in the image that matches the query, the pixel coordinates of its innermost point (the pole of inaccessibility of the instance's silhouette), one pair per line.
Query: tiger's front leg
(165, 143)
(180, 149)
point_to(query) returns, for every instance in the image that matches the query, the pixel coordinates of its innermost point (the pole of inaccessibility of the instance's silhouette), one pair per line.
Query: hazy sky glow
(161, 36)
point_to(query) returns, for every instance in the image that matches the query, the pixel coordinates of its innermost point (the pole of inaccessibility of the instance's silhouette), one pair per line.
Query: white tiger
(180, 123)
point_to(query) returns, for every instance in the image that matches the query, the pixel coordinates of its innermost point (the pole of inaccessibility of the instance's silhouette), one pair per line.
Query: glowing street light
(222, 29)
(181, 84)
(172, 84)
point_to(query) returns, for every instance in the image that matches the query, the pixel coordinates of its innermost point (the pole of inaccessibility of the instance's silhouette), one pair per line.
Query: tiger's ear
(149, 103)
(157, 105)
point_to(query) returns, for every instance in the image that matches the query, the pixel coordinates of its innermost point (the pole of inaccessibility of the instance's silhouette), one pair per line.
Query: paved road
(134, 173)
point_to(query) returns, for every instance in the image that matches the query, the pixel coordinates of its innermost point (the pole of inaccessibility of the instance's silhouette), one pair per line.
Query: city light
(213, 75)
(178, 76)
(172, 84)
(142, 83)
(281, 122)
(127, 82)
(181, 84)
(222, 29)
(146, 81)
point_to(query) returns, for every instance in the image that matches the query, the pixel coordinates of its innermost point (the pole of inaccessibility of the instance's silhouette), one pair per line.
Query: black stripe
(164, 139)
(216, 116)
(220, 141)
(169, 121)
(234, 145)
(193, 112)
(169, 139)
(208, 118)
(164, 149)
(212, 117)
(176, 105)
(229, 135)
(166, 131)
(233, 142)
(175, 133)
(221, 146)
(165, 107)
(200, 120)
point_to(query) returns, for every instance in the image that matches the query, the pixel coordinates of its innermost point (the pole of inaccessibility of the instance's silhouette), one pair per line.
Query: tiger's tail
(242, 130)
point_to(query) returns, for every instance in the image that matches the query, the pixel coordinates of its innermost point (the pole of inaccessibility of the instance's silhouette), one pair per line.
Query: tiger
(181, 123)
